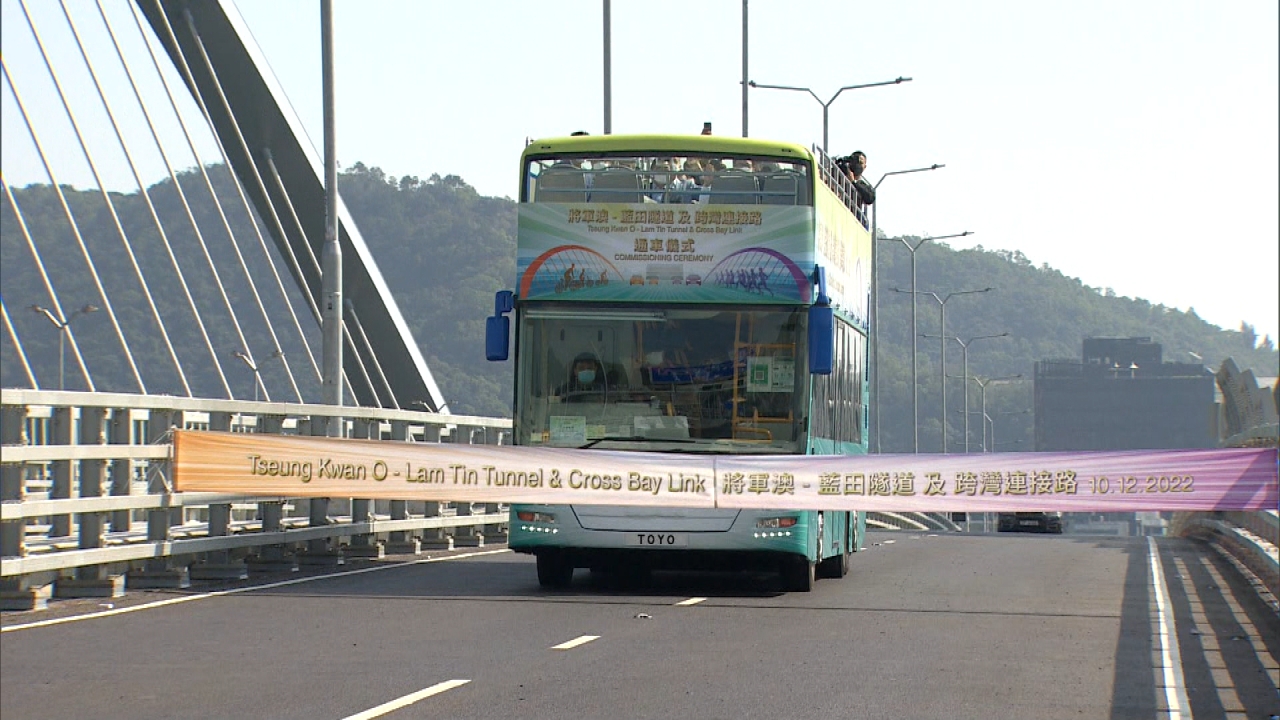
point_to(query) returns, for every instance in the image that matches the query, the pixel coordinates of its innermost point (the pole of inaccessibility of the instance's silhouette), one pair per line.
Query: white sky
(1131, 144)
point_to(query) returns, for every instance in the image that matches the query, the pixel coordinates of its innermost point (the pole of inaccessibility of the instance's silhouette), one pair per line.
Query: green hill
(444, 250)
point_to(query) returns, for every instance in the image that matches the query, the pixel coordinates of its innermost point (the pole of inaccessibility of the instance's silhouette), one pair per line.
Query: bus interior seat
(616, 376)
(620, 185)
(561, 184)
(734, 188)
(784, 188)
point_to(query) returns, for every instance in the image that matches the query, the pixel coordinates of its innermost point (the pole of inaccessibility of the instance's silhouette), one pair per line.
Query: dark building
(1122, 396)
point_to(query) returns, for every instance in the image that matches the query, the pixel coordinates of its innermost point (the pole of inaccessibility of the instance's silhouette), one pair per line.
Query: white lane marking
(890, 542)
(690, 601)
(233, 591)
(409, 699)
(1175, 694)
(580, 640)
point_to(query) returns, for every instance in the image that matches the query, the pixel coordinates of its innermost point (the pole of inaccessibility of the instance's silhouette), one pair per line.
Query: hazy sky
(1131, 144)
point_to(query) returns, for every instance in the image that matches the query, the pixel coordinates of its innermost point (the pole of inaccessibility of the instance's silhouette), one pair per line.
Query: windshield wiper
(637, 438)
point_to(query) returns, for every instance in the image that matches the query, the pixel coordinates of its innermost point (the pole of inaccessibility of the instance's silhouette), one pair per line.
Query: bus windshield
(686, 179)
(674, 379)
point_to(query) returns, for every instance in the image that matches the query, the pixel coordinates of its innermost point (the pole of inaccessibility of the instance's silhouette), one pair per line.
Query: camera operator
(854, 166)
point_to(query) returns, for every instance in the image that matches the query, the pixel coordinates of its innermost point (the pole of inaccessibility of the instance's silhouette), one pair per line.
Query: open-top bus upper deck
(696, 219)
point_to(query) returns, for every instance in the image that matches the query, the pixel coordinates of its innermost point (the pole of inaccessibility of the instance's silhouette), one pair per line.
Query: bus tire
(836, 566)
(798, 574)
(554, 570)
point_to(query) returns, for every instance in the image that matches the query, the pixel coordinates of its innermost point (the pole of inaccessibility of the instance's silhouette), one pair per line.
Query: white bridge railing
(86, 504)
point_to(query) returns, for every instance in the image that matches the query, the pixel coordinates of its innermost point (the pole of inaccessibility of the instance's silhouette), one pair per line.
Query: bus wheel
(836, 566)
(554, 570)
(798, 574)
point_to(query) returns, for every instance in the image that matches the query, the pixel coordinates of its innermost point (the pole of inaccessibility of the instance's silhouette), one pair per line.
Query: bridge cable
(208, 182)
(106, 196)
(17, 344)
(75, 229)
(182, 196)
(48, 284)
(142, 189)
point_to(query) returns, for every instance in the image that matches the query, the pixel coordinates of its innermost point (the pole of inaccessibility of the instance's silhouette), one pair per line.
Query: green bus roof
(643, 144)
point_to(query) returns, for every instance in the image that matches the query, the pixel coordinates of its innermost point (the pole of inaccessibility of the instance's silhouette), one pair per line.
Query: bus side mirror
(497, 329)
(821, 339)
(822, 327)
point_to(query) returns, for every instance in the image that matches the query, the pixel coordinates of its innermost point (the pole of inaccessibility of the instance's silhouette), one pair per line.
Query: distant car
(677, 280)
(693, 280)
(653, 279)
(637, 280)
(1049, 522)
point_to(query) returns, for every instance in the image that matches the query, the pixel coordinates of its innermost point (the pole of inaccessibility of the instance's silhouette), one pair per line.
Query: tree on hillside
(1249, 335)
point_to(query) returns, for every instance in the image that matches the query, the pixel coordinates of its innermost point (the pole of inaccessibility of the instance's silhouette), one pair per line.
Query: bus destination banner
(670, 253)
(288, 466)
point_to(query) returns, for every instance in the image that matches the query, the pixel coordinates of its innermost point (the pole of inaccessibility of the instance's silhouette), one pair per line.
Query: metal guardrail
(897, 521)
(86, 504)
(912, 521)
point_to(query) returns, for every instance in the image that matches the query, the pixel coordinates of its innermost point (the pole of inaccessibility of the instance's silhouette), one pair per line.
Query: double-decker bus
(687, 295)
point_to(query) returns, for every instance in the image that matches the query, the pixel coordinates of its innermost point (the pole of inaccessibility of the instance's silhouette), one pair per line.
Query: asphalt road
(925, 626)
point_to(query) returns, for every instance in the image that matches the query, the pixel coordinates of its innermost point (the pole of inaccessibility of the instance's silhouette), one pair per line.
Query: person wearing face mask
(586, 378)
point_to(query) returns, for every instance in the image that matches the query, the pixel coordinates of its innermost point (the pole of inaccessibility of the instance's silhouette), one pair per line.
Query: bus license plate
(657, 539)
(1030, 523)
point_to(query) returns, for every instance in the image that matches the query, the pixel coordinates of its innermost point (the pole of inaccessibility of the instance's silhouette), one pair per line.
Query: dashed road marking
(580, 640)
(406, 700)
(690, 601)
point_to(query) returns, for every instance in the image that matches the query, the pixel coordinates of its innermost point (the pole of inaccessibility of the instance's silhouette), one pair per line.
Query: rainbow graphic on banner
(605, 252)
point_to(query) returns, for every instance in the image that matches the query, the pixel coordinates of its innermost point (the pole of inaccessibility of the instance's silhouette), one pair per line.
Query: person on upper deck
(686, 178)
(854, 166)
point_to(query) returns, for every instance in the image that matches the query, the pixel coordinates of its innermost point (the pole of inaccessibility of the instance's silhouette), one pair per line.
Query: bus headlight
(776, 522)
(530, 516)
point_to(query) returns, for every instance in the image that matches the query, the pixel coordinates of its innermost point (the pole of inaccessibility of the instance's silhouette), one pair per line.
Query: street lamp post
(608, 71)
(276, 354)
(964, 344)
(986, 418)
(991, 420)
(827, 105)
(257, 375)
(875, 301)
(63, 327)
(942, 304)
(915, 392)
